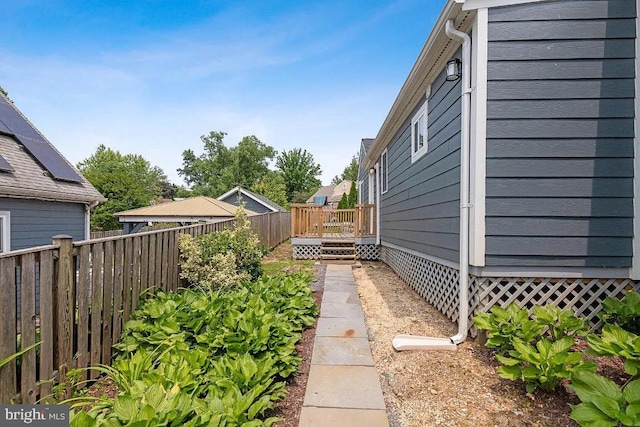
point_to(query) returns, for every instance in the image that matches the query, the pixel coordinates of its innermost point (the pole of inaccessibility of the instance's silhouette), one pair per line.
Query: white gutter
(87, 218)
(412, 342)
(377, 166)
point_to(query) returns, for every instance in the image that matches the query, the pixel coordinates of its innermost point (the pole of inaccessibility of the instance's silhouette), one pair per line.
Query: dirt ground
(442, 388)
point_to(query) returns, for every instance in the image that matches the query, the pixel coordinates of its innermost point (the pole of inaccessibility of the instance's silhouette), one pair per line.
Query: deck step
(337, 248)
(332, 256)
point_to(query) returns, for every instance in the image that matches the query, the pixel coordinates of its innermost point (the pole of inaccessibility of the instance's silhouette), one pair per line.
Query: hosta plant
(624, 313)
(559, 323)
(615, 341)
(543, 365)
(503, 325)
(604, 403)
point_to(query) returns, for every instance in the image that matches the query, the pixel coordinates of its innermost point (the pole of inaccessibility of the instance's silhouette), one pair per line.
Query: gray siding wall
(35, 222)
(250, 204)
(421, 210)
(560, 134)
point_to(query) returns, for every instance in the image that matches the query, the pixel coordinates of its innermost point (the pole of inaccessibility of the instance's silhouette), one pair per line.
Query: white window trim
(5, 218)
(384, 171)
(422, 112)
(359, 192)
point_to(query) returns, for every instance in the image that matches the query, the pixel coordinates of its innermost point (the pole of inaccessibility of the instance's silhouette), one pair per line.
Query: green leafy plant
(624, 313)
(616, 341)
(604, 403)
(503, 325)
(223, 258)
(543, 365)
(559, 323)
(228, 351)
(16, 355)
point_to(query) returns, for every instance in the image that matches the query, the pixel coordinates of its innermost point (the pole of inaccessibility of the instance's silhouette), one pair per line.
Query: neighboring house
(330, 195)
(184, 212)
(41, 193)
(508, 157)
(252, 201)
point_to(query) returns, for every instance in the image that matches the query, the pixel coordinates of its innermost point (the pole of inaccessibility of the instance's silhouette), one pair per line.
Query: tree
(344, 202)
(353, 195)
(300, 172)
(127, 181)
(220, 168)
(350, 173)
(273, 188)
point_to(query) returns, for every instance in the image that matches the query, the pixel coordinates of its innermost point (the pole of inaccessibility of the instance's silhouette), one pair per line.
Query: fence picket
(82, 350)
(88, 290)
(8, 384)
(107, 304)
(97, 284)
(46, 323)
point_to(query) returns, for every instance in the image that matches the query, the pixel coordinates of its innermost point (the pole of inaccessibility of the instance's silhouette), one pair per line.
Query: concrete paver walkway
(343, 389)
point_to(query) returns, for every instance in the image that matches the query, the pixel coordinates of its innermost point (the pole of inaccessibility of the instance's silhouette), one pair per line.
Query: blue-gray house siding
(35, 222)
(421, 209)
(560, 129)
(249, 203)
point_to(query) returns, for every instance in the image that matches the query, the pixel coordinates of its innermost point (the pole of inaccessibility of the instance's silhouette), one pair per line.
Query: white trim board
(478, 133)
(483, 4)
(5, 218)
(634, 272)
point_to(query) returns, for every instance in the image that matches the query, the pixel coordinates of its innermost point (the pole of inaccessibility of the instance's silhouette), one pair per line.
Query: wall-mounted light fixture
(453, 70)
(372, 171)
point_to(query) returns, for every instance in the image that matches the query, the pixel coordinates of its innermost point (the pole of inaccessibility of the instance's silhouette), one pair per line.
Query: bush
(624, 313)
(222, 258)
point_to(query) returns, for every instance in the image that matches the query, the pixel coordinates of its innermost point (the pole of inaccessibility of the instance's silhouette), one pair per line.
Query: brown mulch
(441, 388)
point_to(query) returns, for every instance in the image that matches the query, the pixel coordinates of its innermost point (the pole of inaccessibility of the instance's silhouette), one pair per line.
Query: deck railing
(74, 298)
(321, 221)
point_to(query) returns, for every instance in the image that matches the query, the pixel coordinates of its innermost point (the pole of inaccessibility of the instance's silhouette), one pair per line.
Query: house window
(5, 231)
(384, 174)
(419, 138)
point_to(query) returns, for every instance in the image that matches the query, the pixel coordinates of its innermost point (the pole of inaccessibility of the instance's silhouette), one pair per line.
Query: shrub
(503, 325)
(222, 258)
(624, 313)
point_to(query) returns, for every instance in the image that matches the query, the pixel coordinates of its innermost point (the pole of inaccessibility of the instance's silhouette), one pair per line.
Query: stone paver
(341, 327)
(341, 297)
(343, 389)
(354, 387)
(335, 417)
(340, 310)
(341, 351)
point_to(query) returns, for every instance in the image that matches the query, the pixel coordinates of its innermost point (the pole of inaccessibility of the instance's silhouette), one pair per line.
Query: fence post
(64, 306)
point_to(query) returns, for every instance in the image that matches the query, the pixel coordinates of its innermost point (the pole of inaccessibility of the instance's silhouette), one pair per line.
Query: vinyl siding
(421, 211)
(560, 134)
(249, 203)
(35, 222)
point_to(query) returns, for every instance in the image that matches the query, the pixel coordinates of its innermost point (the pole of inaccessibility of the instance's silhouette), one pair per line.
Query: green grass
(270, 269)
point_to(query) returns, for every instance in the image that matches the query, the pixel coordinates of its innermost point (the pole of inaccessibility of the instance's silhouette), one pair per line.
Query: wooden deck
(320, 222)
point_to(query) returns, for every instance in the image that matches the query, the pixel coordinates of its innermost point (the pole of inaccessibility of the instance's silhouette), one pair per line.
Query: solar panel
(35, 144)
(50, 159)
(4, 165)
(13, 121)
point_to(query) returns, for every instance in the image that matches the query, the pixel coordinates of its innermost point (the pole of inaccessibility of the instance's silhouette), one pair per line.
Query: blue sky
(151, 76)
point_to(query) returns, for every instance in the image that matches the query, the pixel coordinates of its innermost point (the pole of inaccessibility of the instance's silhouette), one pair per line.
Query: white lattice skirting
(438, 284)
(366, 252)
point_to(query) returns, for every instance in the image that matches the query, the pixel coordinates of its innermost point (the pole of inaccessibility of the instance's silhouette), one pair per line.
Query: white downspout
(412, 342)
(87, 219)
(377, 166)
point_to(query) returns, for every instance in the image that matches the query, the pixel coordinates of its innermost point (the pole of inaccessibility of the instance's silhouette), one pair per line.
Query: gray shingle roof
(29, 179)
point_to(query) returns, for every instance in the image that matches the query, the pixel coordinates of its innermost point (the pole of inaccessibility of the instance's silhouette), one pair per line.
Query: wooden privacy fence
(87, 291)
(320, 221)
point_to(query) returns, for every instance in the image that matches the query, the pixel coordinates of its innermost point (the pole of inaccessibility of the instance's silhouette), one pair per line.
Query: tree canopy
(219, 168)
(272, 187)
(128, 181)
(299, 171)
(350, 173)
